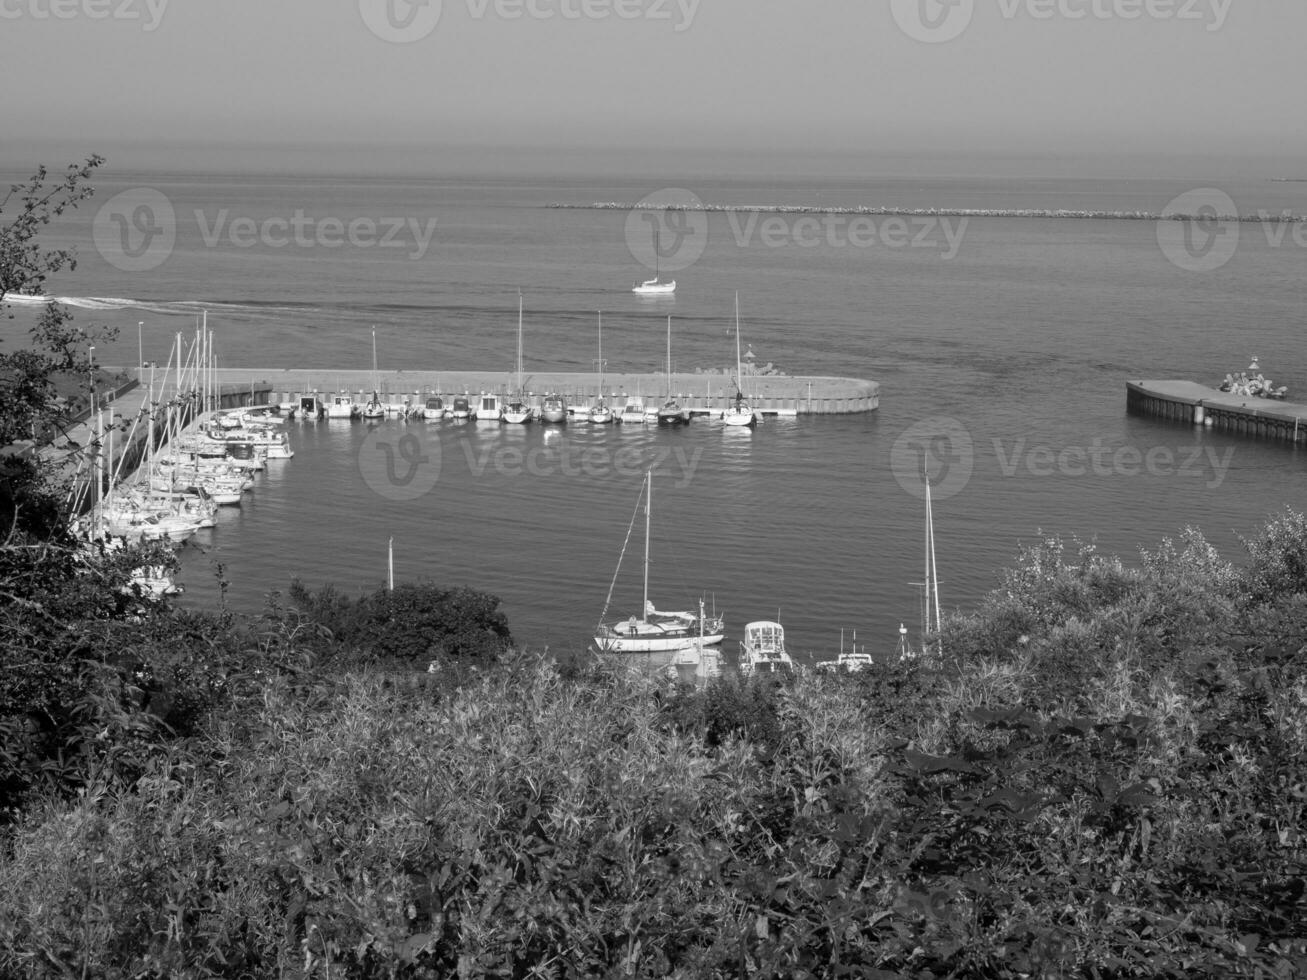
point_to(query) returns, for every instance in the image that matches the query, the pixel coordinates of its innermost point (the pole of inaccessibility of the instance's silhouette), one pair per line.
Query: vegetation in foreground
(1106, 777)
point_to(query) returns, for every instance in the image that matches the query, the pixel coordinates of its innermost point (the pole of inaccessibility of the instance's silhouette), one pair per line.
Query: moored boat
(342, 406)
(488, 408)
(632, 412)
(762, 651)
(654, 631)
(553, 408)
(670, 411)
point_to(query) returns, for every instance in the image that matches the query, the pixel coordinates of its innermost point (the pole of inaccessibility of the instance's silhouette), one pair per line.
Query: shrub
(418, 623)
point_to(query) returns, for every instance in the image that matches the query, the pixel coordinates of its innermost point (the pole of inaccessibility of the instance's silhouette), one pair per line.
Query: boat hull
(608, 643)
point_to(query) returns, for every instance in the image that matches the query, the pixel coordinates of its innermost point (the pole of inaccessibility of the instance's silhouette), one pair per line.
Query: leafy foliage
(415, 622)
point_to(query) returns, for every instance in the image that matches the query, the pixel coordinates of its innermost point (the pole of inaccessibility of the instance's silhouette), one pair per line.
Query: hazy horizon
(1164, 88)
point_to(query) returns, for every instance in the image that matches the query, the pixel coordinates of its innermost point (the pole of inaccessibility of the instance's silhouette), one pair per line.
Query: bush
(417, 623)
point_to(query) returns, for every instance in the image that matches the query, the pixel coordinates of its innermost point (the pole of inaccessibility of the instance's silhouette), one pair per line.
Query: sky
(1170, 87)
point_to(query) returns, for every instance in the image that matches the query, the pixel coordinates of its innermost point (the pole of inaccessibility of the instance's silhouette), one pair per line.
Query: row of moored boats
(196, 459)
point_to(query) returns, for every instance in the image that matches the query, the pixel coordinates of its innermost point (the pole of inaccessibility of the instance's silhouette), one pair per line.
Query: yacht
(762, 651)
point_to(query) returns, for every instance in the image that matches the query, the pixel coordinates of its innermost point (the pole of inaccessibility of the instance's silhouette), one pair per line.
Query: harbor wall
(1190, 403)
(704, 393)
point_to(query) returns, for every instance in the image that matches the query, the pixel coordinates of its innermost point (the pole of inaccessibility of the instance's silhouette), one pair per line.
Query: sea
(1001, 327)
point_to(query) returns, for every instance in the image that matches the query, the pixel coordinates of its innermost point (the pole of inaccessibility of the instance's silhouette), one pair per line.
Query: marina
(700, 394)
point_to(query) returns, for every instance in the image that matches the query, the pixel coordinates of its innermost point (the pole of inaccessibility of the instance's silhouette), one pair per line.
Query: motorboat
(311, 408)
(853, 660)
(434, 408)
(762, 651)
(342, 406)
(632, 412)
(488, 408)
(461, 408)
(553, 408)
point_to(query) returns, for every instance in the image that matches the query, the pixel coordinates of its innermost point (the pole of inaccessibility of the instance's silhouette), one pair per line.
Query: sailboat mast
(519, 342)
(669, 356)
(739, 379)
(648, 507)
(601, 353)
(930, 591)
(934, 573)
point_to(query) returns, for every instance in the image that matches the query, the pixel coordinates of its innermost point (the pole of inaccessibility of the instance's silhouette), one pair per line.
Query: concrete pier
(700, 393)
(1191, 403)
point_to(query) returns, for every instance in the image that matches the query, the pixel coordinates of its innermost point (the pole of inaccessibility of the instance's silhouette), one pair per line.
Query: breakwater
(1190, 403)
(701, 393)
(1264, 217)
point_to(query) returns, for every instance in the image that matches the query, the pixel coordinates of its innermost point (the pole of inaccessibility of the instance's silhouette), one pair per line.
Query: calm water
(1019, 346)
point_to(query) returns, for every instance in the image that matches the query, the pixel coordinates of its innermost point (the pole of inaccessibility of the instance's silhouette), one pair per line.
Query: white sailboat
(671, 412)
(600, 412)
(655, 286)
(654, 631)
(739, 412)
(374, 409)
(517, 411)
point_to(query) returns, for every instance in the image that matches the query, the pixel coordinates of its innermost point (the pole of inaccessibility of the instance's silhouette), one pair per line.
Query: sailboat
(654, 286)
(600, 413)
(740, 412)
(374, 409)
(858, 659)
(653, 631)
(671, 412)
(517, 411)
